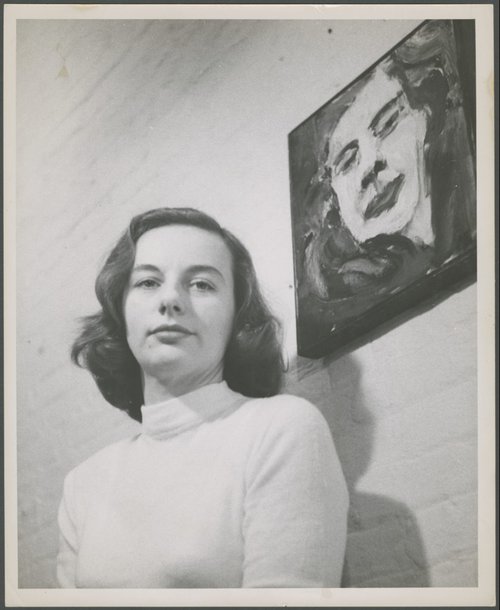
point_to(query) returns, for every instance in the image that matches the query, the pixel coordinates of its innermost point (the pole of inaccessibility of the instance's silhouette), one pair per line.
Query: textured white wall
(116, 117)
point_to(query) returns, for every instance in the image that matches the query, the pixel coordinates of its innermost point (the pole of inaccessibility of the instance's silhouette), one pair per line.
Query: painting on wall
(383, 191)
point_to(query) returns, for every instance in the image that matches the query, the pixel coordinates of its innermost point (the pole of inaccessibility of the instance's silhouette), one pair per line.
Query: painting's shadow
(384, 545)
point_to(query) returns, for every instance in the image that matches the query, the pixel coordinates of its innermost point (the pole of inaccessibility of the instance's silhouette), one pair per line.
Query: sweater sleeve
(68, 542)
(295, 519)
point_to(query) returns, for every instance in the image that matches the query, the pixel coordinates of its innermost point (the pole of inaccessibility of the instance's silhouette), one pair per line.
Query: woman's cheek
(348, 195)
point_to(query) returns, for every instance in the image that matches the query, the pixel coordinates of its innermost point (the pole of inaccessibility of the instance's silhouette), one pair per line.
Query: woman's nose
(372, 173)
(171, 301)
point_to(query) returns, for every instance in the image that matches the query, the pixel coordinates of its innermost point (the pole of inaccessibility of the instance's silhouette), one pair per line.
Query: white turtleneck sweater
(218, 490)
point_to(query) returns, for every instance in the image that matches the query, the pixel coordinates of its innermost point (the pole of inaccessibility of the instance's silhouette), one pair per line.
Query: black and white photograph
(249, 272)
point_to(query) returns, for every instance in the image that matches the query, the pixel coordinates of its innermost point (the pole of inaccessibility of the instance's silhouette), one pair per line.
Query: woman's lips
(167, 333)
(384, 200)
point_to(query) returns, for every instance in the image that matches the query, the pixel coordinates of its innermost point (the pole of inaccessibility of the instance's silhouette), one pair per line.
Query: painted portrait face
(376, 158)
(179, 303)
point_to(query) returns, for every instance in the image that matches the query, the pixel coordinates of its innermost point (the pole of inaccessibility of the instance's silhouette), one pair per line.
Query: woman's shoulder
(284, 409)
(100, 464)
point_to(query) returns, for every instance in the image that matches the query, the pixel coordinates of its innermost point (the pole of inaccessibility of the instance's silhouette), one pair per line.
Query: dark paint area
(417, 298)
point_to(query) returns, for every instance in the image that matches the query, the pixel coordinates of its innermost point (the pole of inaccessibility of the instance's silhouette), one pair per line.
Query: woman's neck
(161, 389)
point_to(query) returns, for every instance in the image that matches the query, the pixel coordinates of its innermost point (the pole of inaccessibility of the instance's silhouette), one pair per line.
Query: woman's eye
(388, 125)
(147, 283)
(346, 161)
(202, 286)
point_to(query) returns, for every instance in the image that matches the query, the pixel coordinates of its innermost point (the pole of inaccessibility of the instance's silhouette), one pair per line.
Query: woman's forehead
(182, 245)
(378, 91)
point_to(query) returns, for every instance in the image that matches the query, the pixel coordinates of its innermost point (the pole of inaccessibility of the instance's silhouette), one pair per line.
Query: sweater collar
(165, 419)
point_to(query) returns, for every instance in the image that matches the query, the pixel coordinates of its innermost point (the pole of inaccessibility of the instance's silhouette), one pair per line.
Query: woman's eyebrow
(385, 108)
(191, 269)
(145, 267)
(206, 269)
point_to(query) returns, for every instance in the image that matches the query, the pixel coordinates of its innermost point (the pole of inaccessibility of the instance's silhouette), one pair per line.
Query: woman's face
(377, 159)
(179, 304)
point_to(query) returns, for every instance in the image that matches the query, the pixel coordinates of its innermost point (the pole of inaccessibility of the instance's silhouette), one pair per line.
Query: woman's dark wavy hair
(253, 362)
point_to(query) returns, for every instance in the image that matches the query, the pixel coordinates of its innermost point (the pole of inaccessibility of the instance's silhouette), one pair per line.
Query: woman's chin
(170, 356)
(391, 222)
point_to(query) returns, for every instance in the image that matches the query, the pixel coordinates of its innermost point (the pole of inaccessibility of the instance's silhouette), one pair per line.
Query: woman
(394, 195)
(228, 484)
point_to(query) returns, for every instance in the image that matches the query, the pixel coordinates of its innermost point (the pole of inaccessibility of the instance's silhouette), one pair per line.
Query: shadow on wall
(384, 545)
